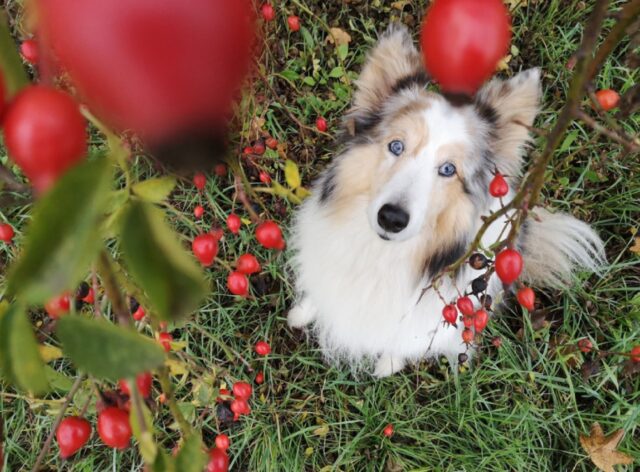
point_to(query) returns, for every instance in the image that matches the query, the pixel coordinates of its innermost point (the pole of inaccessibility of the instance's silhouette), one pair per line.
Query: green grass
(520, 407)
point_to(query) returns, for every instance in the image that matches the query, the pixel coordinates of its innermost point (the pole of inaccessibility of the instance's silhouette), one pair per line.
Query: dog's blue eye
(396, 147)
(447, 169)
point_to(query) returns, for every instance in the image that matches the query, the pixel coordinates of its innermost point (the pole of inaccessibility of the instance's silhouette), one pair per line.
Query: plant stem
(167, 389)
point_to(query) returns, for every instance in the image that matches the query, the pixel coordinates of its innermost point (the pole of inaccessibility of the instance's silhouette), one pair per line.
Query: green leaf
(568, 141)
(336, 72)
(20, 359)
(309, 81)
(146, 445)
(64, 236)
(10, 63)
(59, 382)
(164, 463)
(155, 190)
(291, 174)
(107, 351)
(191, 457)
(156, 260)
(343, 51)
(290, 75)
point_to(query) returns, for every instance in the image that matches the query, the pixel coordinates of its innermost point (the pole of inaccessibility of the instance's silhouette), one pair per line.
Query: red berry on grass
(498, 186)
(585, 345)
(509, 265)
(480, 320)
(234, 223)
(272, 143)
(218, 461)
(247, 150)
(635, 354)
(114, 428)
(222, 442)
(238, 284)
(258, 147)
(294, 23)
(200, 180)
(58, 306)
(248, 264)
(527, 298)
(321, 124)
(242, 390)
(29, 50)
(143, 381)
(467, 336)
(450, 314)
(198, 211)
(269, 235)
(265, 178)
(205, 248)
(262, 348)
(463, 41)
(608, 99)
(220, 170)
(465, 305)
(44, 133)
(165, 340)
(268, 13)
(72, 433)
(239, 407)
(388, 430)
(6, 232)
(260, 378)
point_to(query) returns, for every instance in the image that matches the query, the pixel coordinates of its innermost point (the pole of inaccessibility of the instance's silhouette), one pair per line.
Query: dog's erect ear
(511, 104)
(392, 62)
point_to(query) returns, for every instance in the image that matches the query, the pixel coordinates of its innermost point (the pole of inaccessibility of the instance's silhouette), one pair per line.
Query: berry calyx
(205, 248)
(58, 306)
(388, 430)
(608, 99)
(143, 381)
(218, 461)
(321, 124)
(498, 187)
(527, 298)
(268, 13)
(262, 348)
(198, 211)
(72, 433)
(29, 50)
(450, 314)
(6, 232)
(585, 345)
(480, 320)
(242, 390)
(114, 428)
(294, 23)
(234, 223)
(269, 235)
(467, 336)
(509, 265)
(465, 305)
(238, 284)
(200, 181)
(222, 442)
(248, 264)
(165, 339)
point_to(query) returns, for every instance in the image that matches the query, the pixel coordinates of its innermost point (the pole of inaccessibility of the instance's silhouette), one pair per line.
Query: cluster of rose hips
(269, 14)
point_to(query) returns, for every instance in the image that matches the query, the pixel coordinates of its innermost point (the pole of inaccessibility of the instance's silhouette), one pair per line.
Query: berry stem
(167, 389)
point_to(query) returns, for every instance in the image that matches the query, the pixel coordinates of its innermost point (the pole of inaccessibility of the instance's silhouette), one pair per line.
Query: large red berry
(165, 339)
(234, 223)
(114, 428)
(200, 180)
(450, 314)
(388, 430)
(268, 13)
(248, 264)
(242, 390)
(585, 345)
(218, 460)
(321, 124)
(72, 433)
(527, 298)
(608, 99)
(269, 235)
(467, 336)
(480, 320)
(29, 50)
(144, 382)
(262, 348)
(44, 133)
(205, 248)
(509, 265)
(463, 41)
(635, 354)
(294, 23)
(239, 407)
(6, 232)
(198, 211)
(465, 305)
(58, 306)
(238, 284)
(90, 298)
(498, 187)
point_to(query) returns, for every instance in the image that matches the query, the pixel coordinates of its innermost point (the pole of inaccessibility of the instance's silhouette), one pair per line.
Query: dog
(404, 199)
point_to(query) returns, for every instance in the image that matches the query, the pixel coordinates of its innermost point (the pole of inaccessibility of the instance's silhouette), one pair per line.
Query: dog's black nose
(392, 218)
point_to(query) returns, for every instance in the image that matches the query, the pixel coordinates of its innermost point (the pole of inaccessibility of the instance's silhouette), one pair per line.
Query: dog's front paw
(387, 365)
(301, 315)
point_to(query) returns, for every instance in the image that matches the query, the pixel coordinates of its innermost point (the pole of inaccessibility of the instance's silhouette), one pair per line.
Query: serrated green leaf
(155, 190)
(291, 174)
(107, 351)
(63, 237)
(159, 264)
(20, 359)
(191, 457)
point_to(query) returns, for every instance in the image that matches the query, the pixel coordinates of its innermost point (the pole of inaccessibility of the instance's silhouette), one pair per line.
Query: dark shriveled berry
(133, 305)
(462, 358)
(478, 261)
(224, 413)
(83, 290)
(479, 285)
(486, 301)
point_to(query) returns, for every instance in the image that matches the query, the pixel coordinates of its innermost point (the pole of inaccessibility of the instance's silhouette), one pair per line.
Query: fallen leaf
(504, 63)
(602, 449)
(49, 353)
(515, 4)
(636, 245)
(338, 36)
(399, 5)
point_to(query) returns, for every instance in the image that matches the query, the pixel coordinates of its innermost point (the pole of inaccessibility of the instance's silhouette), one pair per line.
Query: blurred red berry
(265, 178)
(165, 339)
(480, 320)
(139, 314)
(258, 147)
(58, 306)
(388, 430)
(248, 264)
(222, 442)
(198, 211)
(234, 223)
(467, 336)
(635, 354)
(6, 232)
(527, 298)
(205, 248)
(114, 428)
(294, 23)
(260, 378)
(498, 187)
(247, 150)
(268, 13)
(321, 124)
(29, 50)
(269, 235)
(238, 284)
(90, 298)
(450, 314)
(262, 348)
(465, 305)
(218, 461)
(508, 265)
(608, 99)
(200, 180)
(272, 143)
(239, 407)
(220, 170)
(144, 382)
(242, 390)
(585, 345)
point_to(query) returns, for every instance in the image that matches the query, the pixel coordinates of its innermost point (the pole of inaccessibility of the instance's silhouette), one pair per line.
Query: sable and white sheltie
(404, 199)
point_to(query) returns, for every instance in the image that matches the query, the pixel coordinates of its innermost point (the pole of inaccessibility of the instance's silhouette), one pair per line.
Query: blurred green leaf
(164, 463)
(11, 66)
(191, 457)
(107, 351)
(291, 174)
(64, 235)
(156, 260)
(336, 72)
(343, 51)
(309, 81)
(155, 190)
(146, 445)
(58, 381)
(20, 359)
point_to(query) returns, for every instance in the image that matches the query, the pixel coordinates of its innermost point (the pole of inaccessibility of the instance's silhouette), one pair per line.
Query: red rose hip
(262, 348)
(205, 248)
(527, 298)
(143, 381)
(248, 264)
(234, 223)
(268, 13)
(509, 265)
(114, 428)
(608, 99)
(465, 305)
(238, 284)
(269, 235)
(72, 433)
(242, 390)
(498, 186)
(6, 232)
(450, 314)
(321, 124)
(294, 23)
(218, 460)
(29, 50)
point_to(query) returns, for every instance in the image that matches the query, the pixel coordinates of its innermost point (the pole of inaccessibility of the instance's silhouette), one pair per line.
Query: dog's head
(424, 161)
